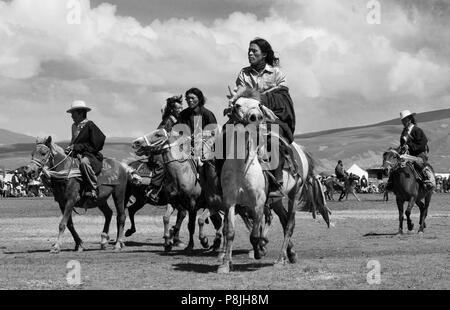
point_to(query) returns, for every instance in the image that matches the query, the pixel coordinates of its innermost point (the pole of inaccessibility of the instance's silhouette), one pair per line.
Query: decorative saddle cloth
(108, 176)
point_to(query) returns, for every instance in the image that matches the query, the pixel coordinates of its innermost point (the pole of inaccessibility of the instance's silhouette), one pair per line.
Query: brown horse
(350, 183)
(182, 186)
(139, 191)
(406, 188)
(59, 170)
(331, 184)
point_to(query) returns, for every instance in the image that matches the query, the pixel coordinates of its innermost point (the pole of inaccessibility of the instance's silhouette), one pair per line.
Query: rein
(49, 171)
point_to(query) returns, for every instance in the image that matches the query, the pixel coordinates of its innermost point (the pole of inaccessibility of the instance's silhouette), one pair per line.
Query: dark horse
(182, 186)
(138, 191)
(350, 183)
(406, 188)
(58, 168)
(331, 184)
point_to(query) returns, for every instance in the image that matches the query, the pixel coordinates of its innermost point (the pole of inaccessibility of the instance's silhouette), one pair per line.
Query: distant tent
(355, 169)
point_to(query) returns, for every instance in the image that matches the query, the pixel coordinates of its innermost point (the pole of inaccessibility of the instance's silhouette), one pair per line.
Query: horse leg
(354, 194)
(424, 212)
(136, 206)
(255, 235)
(201, 227)
(168, 242)
(191, 228)
(411, 203)
(421, 206)
(78, 242)
(216, 219)
(181, 215)
(68, 207)
(119, 201)
(229, 233)
(400, 214)
(107, 212)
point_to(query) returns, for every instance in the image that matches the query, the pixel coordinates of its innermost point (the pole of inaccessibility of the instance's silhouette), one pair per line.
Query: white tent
(355, 169)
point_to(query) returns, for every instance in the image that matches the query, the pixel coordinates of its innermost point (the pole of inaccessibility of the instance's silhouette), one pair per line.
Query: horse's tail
(313, 193)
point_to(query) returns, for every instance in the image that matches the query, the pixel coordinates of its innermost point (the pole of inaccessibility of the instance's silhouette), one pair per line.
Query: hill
(365, 145)
(9, 137)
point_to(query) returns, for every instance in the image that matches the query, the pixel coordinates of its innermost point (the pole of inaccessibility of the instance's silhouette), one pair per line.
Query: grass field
(334, 258)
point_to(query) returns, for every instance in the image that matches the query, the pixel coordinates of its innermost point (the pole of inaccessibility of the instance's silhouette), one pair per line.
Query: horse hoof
(411, 227)
(179, 244)
(79, 248)
(55, 250)
(103, 246)
(204, 242)
(221, 256)
(279, 263)
(168, 247)
(130, 232)
(189, 248)
(292, 258)
(223, 269)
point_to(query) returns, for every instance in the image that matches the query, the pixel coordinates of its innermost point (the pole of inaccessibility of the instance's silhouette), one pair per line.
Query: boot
(428, 179)
(153, 194)
(92, 194)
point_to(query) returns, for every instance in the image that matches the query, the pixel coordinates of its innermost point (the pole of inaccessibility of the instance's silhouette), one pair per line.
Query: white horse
(244, 183)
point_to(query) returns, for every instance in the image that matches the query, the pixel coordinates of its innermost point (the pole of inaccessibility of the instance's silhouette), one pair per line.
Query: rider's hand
(404, 149)
(68, 150)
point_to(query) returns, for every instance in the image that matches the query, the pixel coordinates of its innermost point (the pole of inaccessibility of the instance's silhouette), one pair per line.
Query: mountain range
(362, 145)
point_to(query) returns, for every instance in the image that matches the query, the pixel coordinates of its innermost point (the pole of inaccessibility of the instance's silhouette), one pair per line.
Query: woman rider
(265, 75)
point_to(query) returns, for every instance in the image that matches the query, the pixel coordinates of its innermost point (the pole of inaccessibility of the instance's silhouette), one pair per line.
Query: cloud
(339, 68)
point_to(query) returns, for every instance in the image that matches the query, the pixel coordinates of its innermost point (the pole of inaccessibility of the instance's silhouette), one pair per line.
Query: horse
(331, 185)
(60, 172)
(182, 186)
(406, 187)
(350, 183)
(244, 183)
(138, 191)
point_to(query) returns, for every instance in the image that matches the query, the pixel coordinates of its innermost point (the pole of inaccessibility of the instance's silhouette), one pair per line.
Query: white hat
(406, 113)
(78, 105)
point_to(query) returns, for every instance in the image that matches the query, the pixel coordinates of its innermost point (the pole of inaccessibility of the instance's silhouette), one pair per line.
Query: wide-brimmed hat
(406, 113)
(78, 105)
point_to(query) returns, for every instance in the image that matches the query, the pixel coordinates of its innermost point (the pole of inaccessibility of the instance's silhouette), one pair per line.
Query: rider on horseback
(340, 172)
(265, 76)
(86, 144)
(414, 141)
(170, 114)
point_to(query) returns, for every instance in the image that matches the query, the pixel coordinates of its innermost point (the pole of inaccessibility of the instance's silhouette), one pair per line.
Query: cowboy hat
(78, 105)
(406, 113)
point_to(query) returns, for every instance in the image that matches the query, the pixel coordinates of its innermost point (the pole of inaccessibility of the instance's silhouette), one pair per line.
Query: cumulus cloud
(341, 70)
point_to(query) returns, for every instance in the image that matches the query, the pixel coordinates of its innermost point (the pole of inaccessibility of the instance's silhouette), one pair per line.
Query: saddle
(108, 176)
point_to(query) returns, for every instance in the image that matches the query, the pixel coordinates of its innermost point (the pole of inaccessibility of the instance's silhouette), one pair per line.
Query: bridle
(49, 157)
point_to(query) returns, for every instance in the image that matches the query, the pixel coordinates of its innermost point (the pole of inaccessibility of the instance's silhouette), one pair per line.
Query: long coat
(89, 143)
(416, 140)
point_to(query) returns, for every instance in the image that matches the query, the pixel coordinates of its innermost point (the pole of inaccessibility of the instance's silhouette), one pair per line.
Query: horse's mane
(249, 93)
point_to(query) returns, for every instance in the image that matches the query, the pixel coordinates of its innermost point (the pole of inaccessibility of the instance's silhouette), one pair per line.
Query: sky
(347, 62)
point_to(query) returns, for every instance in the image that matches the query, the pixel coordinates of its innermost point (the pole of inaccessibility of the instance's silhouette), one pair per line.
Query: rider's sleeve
(418, 142)
(94, 144)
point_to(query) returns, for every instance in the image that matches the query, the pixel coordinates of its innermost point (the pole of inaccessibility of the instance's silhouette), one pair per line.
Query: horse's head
(247, 109)
(150, 142)
(41, 156)
(390, 159)
(159, 141)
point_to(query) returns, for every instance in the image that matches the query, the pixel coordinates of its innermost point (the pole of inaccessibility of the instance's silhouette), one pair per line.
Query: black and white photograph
(224, 150)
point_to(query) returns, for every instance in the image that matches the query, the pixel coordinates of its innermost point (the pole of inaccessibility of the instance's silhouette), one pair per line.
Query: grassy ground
(333, 258)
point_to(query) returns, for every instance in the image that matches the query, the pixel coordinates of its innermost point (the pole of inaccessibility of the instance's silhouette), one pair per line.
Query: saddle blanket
(108, 176)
